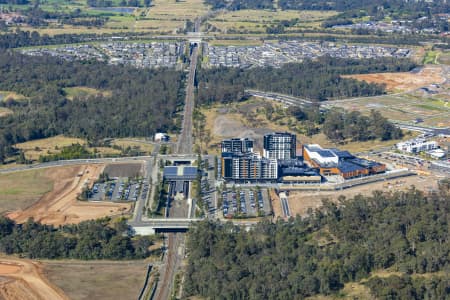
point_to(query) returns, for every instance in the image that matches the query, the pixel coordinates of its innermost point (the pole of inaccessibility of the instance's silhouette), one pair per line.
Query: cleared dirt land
(5, 112)
(97, 279)
(60, 205)
(24, 279)
(247, 119)
(124, 169)
(300, 202)
(405, 81)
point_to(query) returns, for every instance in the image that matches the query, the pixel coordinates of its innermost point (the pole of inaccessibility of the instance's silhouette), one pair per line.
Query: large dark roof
(180, 172)
(325, 153)
(293, 171)
(170, 171)
(346, 167)
(364, 162)
(342, 154)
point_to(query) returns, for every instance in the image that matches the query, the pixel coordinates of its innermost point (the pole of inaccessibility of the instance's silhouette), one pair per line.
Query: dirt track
(405, 81)
(301, 201)
(24, 280)
(60, 206)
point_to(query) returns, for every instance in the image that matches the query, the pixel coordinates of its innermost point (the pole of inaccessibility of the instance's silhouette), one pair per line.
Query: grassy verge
(431, 57)
(21, 189)
(97, 279)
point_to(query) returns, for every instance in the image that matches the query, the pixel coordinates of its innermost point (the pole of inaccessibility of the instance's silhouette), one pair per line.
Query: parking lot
(245, 203)
(209, 197)
(119, 189)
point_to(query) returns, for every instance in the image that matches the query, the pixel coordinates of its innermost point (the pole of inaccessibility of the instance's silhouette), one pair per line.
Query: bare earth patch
(276, 204)
(405, 81)
(301, 201)
(25, 280)
(124, 169)
(5, 112)
(60, 205)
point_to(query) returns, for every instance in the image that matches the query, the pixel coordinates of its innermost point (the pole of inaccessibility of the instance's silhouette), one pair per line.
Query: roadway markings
(285, 204)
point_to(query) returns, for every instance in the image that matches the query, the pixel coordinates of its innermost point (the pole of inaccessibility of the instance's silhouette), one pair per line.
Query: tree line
(142, 101)
(35, 16)
(400, 7)
(407, 287)
(97, 239)
(406, 232)
(14, 2)
(317, 80)
(372, 7)
(21, 38)
(240, 4)
(340, 126)
(110, 3)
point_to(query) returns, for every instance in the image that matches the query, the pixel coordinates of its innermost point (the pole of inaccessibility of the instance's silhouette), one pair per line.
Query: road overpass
(161, 225)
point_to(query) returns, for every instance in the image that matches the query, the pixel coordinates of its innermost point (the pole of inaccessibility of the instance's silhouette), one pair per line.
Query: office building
(248, 167)
(417, 146)
(237, 145)
(280, 145)
(336, 162)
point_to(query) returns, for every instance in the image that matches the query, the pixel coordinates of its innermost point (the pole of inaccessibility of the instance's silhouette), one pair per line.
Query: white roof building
(161, 137)
(417, 146)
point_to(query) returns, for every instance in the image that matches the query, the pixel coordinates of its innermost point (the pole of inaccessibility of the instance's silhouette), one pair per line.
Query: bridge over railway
(162, 225)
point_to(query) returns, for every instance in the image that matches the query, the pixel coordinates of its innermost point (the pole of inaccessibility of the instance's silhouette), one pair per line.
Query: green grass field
(83, 92)
(431, 57)
(97, 279)
(162, 17)
(405, 108)
(259, 20)
(21, 189)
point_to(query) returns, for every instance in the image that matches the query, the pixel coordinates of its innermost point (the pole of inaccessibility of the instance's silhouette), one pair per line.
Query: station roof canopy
(175, 173)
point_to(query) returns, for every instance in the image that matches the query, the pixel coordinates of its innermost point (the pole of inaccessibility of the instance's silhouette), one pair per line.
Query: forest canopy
(406, 232)
(400, 7)
(99, 239)
(141, 101)
(317, 80)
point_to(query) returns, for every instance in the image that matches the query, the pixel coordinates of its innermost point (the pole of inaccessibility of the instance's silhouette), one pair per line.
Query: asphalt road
(285, 205)
(139, 207)
(286, 99)
(73, 162)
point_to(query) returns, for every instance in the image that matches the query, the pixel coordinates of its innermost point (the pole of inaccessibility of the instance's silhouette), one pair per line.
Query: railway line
(175, 241)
